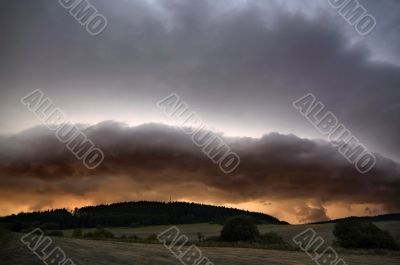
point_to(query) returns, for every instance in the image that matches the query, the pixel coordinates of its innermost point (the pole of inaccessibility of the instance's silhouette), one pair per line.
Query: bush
(99, 233)
(54, 233)
(77, 233)
(200, 236)
(212, 238)
(271, 238)
(133, 237)
(151, 237)
(357, 234)
(240, 228)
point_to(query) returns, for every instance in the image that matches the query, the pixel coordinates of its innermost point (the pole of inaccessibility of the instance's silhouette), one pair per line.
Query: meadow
(88, 252)
(208, 230)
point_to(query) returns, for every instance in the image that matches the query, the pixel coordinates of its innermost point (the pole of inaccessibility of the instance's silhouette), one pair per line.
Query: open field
(88, 252)
(286, 231)
(190, 230)
(326, 230)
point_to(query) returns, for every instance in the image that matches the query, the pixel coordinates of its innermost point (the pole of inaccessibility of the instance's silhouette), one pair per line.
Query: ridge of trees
(131, 214)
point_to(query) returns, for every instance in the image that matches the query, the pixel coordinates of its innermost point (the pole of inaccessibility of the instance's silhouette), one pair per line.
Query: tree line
(130, 214)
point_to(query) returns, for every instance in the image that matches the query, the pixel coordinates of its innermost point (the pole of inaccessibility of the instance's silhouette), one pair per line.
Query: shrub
(357, 234)
(77, 233)
(271, 238)
(54, 233)
(88, 235)
(134, 237)
(99, 233)
(200, 236)
(212, 238)
(239, 228)
(151, 237)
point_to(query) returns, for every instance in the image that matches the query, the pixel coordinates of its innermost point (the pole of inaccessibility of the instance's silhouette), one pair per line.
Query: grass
(111, 253)
(287, 232)
(4, 237)
(190, 230)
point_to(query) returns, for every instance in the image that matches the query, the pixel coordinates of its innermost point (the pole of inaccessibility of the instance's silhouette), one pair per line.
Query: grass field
(286, 231)
(88, 252)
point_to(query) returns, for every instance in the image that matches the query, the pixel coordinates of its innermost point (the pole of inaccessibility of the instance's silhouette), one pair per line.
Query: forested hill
(131, 214)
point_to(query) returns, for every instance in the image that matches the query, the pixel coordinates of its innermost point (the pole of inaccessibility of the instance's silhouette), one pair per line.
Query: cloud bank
(299, 177)
(238, 63)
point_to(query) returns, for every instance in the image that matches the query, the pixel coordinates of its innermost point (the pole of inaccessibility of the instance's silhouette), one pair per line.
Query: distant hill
(131, 214)
(376, 218)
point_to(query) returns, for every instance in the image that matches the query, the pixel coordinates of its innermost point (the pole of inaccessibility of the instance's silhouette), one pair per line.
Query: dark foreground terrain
(88, 252)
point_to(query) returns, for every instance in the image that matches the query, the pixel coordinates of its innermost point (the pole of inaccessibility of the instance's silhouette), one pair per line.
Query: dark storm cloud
(239, 63)
(155, 158)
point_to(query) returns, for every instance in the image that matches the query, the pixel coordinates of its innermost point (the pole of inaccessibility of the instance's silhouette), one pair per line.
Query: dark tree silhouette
(130, 214)
(239, 228)
(352, 233)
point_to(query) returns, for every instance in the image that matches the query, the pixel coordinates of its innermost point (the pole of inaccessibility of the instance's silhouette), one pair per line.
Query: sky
(239, 64)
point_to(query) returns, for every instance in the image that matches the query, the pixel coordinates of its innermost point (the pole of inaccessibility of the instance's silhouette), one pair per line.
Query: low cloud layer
(238, 63)
(300, 178)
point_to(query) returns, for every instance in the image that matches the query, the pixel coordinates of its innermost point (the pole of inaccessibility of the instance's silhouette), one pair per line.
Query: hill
(131, 214)
(376, 218)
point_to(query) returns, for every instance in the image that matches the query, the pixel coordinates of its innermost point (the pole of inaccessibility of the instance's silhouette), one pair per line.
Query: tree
(239, 228)
(352, 233)
(130, 214)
